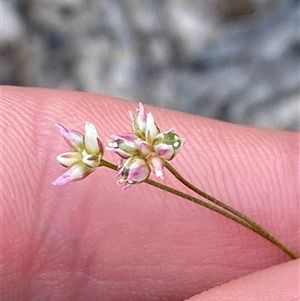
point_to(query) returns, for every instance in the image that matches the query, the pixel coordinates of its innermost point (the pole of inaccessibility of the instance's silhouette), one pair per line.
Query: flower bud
(167, 144)
(123, 145)
(135, 170)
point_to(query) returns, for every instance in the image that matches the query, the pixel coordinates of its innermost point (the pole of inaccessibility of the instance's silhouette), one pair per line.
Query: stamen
(121, 181)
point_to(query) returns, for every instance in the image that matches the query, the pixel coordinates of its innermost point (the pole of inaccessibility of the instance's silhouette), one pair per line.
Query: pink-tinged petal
(165, 151)
(157, 164)
(138, 172)
(92, 143)
(144, 147)
(142, 112)
(69, 159)
(74, 173)
(135, 170)
(120, 170)
(123, 145)
(61, 128)
(127, 137)
(139, 122)
(73, 138)
(118, 151)
(151, 129)
(92, 161)
(123, 167)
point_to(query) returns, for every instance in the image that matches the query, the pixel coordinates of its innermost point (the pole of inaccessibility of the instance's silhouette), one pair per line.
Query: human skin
(90, 240)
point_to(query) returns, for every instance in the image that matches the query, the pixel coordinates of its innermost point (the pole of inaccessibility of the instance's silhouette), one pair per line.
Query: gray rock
(11, 25)
(232, 60)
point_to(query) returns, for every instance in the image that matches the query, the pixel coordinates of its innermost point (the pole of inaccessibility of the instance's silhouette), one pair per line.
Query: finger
(93, 236)
(277, 283)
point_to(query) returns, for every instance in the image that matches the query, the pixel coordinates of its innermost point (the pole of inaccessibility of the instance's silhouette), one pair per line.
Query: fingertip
(248, 168)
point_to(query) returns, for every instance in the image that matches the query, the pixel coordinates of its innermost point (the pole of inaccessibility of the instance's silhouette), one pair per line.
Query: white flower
(85, 157)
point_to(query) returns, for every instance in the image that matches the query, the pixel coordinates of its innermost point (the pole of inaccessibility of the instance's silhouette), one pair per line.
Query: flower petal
(151, 130)
(73, 138)
(92, 143)
(123, 145)
(157, 164)
(144, 147)
(139, 171)
(135, 170)
(74, 173)
(92, 161)
(139, 122)
(69, 159)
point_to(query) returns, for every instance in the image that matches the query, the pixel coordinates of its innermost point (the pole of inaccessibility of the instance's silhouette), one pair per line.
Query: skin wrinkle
(269, 169)
(15, 195)
(72, 258)
(141, 213)
(280, 214)
(202, 180)
(277, 190)
(284, 176)
(257, 169)
(234, 148)
(229, 187)
(222, 151)
(255, 158)
(226, 154)
(39, 261)
(19, 112)
(274, 215)
(295, 171)
(270, 191)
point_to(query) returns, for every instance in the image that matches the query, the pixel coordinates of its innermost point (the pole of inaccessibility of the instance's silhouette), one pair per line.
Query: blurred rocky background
(234, 60)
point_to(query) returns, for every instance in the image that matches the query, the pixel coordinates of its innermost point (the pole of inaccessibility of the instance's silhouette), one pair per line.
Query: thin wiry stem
(210, 198)
(231, 214)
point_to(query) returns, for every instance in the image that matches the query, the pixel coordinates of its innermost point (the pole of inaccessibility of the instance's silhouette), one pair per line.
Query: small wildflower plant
(143, 150)
(85, 156)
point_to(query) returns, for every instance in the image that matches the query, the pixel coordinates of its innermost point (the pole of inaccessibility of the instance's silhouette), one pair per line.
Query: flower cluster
(85, 157)
(144, 150)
